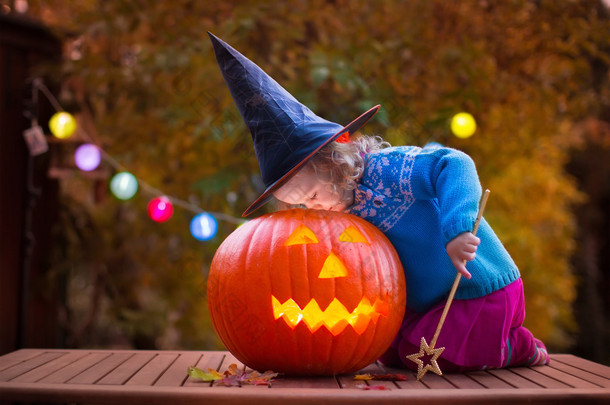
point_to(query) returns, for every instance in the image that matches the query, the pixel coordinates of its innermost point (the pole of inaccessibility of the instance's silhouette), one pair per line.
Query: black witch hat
(286, 134)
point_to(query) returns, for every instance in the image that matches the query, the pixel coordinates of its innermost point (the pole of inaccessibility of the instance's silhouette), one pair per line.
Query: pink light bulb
(160, 209)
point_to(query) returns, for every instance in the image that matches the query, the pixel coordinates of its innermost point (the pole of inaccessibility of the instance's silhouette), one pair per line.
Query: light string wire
(147, 188)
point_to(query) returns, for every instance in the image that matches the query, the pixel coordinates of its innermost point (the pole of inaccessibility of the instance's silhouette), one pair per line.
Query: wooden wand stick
(424, 348)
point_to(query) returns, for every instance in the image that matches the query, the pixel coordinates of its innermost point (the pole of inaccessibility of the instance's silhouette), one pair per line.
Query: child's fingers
(461, 250)
(470, 249)
(460, 265)
(469, 255)
(465, 272)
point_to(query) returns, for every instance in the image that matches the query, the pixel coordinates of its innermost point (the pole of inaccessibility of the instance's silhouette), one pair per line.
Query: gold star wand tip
(431, 355)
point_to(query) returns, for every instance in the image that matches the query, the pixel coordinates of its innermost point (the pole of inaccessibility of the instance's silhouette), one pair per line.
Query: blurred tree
(590, 165)
(145, 72)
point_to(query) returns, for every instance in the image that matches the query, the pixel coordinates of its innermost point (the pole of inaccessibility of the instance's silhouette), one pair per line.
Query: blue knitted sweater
(421, 199)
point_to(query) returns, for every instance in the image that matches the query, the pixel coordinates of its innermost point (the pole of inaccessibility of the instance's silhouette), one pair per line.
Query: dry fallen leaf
(210, 375)
(371, 387)
(233, 376)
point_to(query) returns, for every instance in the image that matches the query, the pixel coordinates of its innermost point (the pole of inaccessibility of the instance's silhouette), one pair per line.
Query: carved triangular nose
(333, 267)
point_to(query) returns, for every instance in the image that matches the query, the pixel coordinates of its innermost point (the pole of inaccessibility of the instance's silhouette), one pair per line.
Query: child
(425, 200)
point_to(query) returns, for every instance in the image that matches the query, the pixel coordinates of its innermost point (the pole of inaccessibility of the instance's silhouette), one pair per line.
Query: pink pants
(479, 333)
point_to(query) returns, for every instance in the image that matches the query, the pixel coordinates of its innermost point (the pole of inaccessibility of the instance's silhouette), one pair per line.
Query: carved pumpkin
(306, 292)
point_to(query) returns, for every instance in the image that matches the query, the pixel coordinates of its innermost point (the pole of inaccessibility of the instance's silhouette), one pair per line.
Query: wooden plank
(434, 381)
(447, 381)
(411, 383)
(50, 367)
(305, 382)
(127, 369)
(92, 375)
(10, 359)
(208, 360)
(565, 378)
(583, 364)
(71, 370)
(582, 374)
(152, 370)
(143, 395)
(228, 360)
(488, 380)
(376, 368)
(463, 381)
(512, 378)
(176, 374)
(30, 364)
(212, 359)
(347, 381)
(285, 381)
(538, 378)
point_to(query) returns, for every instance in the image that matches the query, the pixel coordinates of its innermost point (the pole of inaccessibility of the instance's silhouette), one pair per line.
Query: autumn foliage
(144, 74)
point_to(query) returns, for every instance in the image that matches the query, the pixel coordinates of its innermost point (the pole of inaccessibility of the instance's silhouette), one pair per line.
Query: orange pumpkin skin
(340, 295)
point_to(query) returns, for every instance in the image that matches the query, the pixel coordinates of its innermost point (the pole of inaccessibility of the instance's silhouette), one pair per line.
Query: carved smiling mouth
(335, 317)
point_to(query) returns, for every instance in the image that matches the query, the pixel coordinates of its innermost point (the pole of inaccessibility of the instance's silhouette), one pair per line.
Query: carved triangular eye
(351, 234)
(301, 236)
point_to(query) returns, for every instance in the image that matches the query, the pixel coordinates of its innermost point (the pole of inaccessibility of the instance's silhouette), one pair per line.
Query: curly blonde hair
(342, 164)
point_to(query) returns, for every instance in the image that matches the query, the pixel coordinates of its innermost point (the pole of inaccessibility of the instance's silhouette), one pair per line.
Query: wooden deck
(160, 377)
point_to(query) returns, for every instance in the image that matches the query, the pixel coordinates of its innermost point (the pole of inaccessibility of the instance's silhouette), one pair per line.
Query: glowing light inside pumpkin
(301, 236)
(333, 267)
(351, 234)
(335, 317)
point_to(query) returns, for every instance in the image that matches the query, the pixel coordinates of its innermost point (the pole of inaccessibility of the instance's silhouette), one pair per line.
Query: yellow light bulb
(463, 125)
(62, 125)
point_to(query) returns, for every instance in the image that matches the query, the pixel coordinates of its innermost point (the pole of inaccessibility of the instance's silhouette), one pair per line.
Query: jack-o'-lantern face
(306, 292)
(335, 317)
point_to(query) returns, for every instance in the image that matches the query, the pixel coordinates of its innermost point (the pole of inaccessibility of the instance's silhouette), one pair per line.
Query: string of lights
(124, 185)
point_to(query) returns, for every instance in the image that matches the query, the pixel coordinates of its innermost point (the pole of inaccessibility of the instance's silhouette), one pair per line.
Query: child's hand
(462, 249)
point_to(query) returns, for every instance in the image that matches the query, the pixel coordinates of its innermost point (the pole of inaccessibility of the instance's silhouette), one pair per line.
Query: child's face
(309, 189)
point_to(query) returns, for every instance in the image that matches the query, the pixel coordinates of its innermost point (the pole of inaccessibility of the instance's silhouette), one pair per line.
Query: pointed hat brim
(351, 128)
